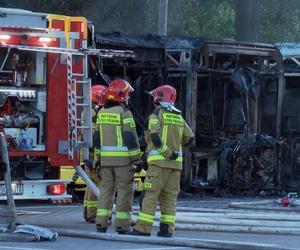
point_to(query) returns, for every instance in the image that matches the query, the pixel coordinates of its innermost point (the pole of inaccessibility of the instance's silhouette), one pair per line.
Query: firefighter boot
(164, 230)
(134, 232)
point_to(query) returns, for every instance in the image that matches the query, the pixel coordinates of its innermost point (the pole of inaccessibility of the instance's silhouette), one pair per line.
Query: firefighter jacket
(172, 132)
(118, 141)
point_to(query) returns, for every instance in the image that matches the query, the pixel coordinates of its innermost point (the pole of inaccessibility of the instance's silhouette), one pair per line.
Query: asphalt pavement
(70, 217)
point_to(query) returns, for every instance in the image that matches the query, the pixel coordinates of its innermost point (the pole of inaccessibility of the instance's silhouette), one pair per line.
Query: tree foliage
(206, 18)
(279, 19)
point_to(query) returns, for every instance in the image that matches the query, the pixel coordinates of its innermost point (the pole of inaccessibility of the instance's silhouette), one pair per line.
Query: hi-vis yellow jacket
(119, 144)
(173, 132)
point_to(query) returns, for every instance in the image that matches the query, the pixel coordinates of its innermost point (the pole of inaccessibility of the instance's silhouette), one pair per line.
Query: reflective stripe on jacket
(173, 131)
(112, 122)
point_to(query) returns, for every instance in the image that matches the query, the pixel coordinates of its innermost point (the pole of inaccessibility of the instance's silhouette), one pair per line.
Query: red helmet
(118, 90)
(97, 94)
(164, 93)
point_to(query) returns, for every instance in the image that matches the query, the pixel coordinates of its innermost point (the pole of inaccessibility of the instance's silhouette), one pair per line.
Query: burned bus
(240, 99)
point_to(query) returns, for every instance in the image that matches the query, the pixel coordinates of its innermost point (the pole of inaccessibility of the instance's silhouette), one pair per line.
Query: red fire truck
(45, 104)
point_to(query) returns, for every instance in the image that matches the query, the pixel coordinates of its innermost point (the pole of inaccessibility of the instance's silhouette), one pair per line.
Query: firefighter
(167, 133)
(92, 165)
(119, 149)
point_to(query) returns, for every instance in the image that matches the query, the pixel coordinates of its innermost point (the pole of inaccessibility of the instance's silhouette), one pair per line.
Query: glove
(89, 163)
(173, 156)
(138, 166)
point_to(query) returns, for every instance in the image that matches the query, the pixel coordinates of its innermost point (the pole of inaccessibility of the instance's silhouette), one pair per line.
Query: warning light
(4, 37)
(56, 189)
(45, 39)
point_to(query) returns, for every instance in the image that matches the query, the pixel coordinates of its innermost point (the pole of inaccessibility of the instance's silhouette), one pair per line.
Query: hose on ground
(234, 209)
(237, 229)
(247, 216)
(196, 243)
(249, 205)
(237, 222)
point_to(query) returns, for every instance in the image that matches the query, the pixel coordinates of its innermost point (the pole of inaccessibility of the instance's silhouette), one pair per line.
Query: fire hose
(87, 180)
(250, 205)
(196, 243)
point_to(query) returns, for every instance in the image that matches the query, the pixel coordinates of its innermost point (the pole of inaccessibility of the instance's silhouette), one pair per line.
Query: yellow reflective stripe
(123, 215)
(165, 134)
(129, 121)
(152, 122)
(161, 158)
(146, 217)
(167, 218)
(91, 204)
(135, 152)
(101, 136)
(109, 118)
(172, 119)
(181, 134)
(119, 136)
(162, 149)
(97, 152)
(116, 153)
(84, 203)
(102, 212)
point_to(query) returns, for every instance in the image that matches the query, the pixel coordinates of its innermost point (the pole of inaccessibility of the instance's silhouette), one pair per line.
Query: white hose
(193, 222)
(38, 232)
(87, 180)
(278, 216)
(234, 210)
(237, 222)
(237, 229)
(247, 216)
(245, 206)
(263, 202)
(196, 243)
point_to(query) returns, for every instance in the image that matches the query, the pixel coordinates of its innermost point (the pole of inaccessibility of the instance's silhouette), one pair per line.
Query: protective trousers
(120, 180)
(90, 200)
(161, 184)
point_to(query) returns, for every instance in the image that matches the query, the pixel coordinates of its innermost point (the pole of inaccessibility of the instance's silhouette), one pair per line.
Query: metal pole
(9, 193)
(162, 17)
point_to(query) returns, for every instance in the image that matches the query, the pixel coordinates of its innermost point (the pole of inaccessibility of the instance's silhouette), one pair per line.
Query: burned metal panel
(230, 94)
(232, 111)
(290, 129)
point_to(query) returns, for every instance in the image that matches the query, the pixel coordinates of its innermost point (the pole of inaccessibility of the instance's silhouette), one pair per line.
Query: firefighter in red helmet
(167, 133)
(91, 165)
(118, 150)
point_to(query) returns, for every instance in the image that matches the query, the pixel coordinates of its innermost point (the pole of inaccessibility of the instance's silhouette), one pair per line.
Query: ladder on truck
(79, 107)
(79, 91)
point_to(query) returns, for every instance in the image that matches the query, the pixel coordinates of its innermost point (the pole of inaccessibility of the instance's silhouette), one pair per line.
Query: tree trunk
(247, 20)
